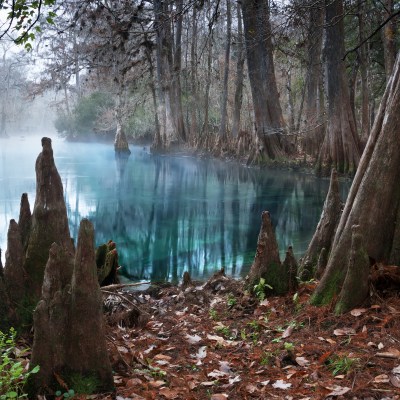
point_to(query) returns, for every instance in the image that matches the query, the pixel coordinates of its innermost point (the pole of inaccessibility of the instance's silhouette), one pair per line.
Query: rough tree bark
(356, 284)
(224, 96)
(374, 198)
(313, 121)
(68, 322)
(324, 233)
(49, 220)
(25, 220)
(267, 109)
(170, 133)
(239, 75)
(280, 276)
(363, 61)
(14, 273)
(341, 146)
(389, 38)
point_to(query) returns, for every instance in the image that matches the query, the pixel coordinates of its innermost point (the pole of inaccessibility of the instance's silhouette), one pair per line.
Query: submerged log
(356, 284)
(325, 231)
(267, 264)
(68, 322)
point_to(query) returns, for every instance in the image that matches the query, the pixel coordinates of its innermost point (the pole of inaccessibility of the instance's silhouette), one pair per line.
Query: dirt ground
(215, 341)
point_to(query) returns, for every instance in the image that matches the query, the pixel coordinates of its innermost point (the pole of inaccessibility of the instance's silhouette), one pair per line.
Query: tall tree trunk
(205, 128)
(193, 74)
(341, 146)
(374, 199)
(389, 36)
(176, 78)
(224, 97)
(267, 109)
(239, 75)
(363, 57)
(164, 43)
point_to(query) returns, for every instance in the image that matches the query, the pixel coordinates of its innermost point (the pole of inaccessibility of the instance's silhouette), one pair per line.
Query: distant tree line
(260, 79)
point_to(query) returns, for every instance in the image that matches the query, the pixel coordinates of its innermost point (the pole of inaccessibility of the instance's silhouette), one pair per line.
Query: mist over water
(167, 214)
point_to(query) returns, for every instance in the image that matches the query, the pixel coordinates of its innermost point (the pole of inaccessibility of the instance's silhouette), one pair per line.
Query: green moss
(331, 289)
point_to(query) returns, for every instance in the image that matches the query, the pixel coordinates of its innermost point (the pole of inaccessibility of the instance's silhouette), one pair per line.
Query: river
(167, 214)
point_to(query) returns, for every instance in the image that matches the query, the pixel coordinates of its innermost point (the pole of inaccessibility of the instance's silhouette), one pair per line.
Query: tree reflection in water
(169, 214)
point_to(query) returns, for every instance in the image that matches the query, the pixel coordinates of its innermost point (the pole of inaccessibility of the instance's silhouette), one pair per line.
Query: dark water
(167, 214)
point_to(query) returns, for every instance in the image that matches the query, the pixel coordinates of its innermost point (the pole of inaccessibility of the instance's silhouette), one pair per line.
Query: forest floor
(214, 341)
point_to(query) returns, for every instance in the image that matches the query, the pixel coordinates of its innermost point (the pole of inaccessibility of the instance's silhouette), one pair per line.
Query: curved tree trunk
(374, 198)
(324, 233)
(269, 121)
(341, 146)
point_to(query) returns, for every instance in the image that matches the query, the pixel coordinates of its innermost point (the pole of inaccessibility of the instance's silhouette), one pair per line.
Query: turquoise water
(167, 214)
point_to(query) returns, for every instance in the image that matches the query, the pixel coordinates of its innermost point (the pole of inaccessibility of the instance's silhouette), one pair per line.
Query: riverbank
(216, 342)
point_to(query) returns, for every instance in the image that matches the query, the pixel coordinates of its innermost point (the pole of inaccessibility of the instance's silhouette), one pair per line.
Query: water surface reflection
(168, 213)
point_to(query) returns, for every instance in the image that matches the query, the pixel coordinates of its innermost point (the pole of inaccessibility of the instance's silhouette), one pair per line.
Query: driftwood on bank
(280, 276)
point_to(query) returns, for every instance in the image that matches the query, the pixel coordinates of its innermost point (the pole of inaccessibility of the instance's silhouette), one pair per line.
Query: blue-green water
(167, 214)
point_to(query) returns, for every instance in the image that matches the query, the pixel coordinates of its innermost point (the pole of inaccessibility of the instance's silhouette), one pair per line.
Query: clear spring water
(167, 214)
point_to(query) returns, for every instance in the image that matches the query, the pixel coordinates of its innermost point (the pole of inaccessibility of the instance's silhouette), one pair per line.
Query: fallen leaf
(344, 331)
(216, 374)
(251, 388)
(219, 396)
(337, 391)
(396, 370)
(340, 376)
(220, 340)
(391, 353)
(201, 353)
(157, 384)
(280, 384)
(302, 361)
(234, 380)
(193, 339)
(395, 380)
(265, 383)
(162, 357)
(330, 341)
(133, 382)
(208, 383)
(225, 367)
(358, 311)
(383, 378)
(288, 331)
(169, 393)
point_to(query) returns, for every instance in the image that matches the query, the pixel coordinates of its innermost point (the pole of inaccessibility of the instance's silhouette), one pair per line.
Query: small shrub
(13, 375)
(259, 289)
